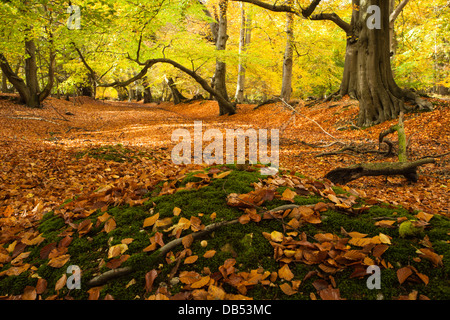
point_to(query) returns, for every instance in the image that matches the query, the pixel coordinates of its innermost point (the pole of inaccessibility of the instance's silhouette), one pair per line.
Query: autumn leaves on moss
(319, 248)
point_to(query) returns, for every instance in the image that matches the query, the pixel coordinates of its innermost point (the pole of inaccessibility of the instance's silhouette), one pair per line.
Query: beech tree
(367, 71)
(29, 88)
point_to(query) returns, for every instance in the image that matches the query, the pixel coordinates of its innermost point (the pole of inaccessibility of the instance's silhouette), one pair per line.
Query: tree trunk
(147, 91)
(29, 89)
(221, 72)
(244, 40)
(286, 86)
(4, 83)
(367, 71)
(176, 94)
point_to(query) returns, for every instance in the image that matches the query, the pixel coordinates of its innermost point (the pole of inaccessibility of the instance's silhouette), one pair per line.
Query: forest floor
(79, 158)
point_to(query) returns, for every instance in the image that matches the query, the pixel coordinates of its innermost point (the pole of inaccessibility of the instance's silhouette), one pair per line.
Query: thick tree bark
(367, 73)
(221, 70)
(286, 86)
(29, 89)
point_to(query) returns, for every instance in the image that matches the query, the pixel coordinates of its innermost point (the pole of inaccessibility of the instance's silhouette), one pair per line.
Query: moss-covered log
(407, 169)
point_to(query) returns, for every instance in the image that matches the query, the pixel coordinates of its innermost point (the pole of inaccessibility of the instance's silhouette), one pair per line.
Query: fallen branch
(407, 169)
(307, 118)
(33, 118)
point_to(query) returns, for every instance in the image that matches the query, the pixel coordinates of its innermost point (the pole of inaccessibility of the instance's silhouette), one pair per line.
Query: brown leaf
(41, 286)
(189, 277)
(29, 293)
(94, 293)
(45, 251)
(288, 195)
(176, 211)
(286, 273)
(287, 289)
(330, 294)
(149, 279)
(110, 225)
(187, 241)
(84, 227)
(190, 259)
(200, 283)
(148, 222)
(61, 282)
(59, 261)
(432, 256)
(403, 274)
(209, 254)
(215, 293)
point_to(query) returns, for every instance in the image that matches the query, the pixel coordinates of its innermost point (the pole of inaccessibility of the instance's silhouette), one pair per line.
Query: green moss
(15, 285)
(117, 153)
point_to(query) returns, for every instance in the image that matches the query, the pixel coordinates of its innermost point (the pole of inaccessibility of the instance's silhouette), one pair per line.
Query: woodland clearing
(91, 183)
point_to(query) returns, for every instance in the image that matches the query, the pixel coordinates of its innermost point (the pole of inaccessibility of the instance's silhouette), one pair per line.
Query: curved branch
(334, 18)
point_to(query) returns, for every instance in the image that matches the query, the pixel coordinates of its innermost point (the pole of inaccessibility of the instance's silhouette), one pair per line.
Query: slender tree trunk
(244, 40)
(31, 74)
(286, 86)
(4, 83)
(221, 72)
(147, 91)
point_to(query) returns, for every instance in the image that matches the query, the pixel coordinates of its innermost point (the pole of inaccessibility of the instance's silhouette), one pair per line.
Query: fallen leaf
(148, 222)
(189, 277)
(29, 293)
(61, 282)
(41, 286)
(190, 259)
(94, 293)
(110, 225)
(209, 254)
(59, 261)
(215, 293)
(84, 227)
(330, 293)
(276, 236)
(286, 273)
(200, 283)
(222, 175)
(403, 274)
(187, 241)
(288, 195)
(287, 289)
(176, 211)
(117, 250)
(384, 238)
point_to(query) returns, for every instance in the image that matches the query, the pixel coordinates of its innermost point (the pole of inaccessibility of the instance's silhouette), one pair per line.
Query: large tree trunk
(221, 72)
(244, 40)
(286, 86)
(367, 71)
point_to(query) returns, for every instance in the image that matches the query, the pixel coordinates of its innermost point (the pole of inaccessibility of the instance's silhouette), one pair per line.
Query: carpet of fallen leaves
(39, 170)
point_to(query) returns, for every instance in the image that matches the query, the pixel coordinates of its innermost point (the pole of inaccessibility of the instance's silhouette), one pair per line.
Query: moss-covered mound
(319, 250)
